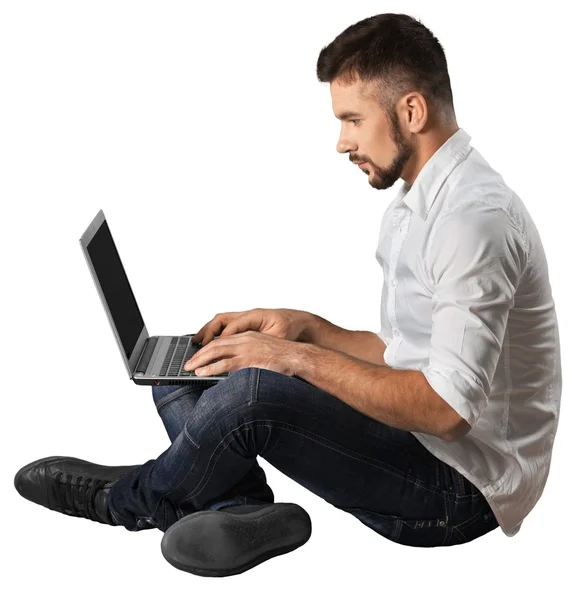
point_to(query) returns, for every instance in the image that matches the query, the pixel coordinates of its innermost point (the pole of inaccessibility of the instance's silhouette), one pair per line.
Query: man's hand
(248, 349)
(284, 323)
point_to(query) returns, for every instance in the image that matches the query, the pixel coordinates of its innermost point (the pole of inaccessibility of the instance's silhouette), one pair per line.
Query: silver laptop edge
(144, 335)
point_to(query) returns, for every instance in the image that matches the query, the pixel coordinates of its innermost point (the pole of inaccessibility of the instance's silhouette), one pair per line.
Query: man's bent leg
(140, 502)
(175, 405)
(381, 475)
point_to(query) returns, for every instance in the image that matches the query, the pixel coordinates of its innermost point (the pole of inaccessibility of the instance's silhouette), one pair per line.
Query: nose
(342, 146)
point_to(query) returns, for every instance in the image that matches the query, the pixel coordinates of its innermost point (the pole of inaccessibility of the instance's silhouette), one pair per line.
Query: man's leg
(80, 488)
(175, 405)
(381, 475)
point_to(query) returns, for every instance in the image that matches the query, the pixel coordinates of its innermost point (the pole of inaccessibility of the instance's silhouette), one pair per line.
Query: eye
(353, 120)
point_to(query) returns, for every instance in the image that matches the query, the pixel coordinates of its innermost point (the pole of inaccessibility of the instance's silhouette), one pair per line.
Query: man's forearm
(399, 398)
(365, 345)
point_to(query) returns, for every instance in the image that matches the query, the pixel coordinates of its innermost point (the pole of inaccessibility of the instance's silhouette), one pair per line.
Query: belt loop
(438, 474)
(458, 481)
(445, 476)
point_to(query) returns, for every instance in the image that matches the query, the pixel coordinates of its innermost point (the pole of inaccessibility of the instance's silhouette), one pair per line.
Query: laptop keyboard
(179, 352)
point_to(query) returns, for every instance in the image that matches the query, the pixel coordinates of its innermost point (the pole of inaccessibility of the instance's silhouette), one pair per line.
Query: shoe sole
(285, 525)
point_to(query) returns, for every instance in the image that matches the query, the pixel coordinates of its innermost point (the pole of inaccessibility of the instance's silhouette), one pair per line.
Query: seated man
(433, 431)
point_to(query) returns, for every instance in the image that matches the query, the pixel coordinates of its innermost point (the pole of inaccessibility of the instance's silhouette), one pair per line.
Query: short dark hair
(395, 54)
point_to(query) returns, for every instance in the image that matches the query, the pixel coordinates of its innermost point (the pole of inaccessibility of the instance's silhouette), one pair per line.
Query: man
(433, 431)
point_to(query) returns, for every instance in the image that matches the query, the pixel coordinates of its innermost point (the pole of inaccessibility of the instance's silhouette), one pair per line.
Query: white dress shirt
(467, 301)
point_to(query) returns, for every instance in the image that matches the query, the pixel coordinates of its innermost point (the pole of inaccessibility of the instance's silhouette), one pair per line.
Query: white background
(203, 133)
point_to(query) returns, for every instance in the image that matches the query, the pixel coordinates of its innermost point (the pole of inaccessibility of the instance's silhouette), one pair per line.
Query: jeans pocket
(477, 525)
(424, 533)
(389, 526)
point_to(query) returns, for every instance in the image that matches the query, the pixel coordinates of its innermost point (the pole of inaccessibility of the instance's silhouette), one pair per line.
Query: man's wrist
(302, 355)
(309, 328)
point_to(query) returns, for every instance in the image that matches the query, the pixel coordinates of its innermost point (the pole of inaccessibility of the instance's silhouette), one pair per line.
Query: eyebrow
(348, 115)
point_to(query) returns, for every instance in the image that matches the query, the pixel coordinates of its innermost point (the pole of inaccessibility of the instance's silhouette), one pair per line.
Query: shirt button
(393, 282)
(396, 332)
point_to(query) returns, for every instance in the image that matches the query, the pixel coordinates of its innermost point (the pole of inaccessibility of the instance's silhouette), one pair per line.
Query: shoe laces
(78, 498)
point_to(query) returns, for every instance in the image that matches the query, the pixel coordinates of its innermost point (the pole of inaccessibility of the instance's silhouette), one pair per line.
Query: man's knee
(238, 386)
(160, 391)
(232, 395)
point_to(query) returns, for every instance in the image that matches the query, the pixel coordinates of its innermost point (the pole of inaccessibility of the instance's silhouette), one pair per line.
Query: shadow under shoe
(70, 486)
(231, 540)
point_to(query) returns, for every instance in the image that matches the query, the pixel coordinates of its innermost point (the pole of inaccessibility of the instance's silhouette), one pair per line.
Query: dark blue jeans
(381, 475)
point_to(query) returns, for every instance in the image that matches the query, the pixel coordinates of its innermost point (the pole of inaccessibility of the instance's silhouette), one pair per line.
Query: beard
(384, 178)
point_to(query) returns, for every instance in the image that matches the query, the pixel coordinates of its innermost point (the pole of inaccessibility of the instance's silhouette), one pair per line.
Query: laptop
(155, 360)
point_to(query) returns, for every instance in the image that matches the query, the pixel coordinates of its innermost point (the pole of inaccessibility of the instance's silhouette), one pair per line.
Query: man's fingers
(214, 327)
(247, 322)
(216, 349)
(234, 327)
(206, 354)
(207, 332)
(221, 366)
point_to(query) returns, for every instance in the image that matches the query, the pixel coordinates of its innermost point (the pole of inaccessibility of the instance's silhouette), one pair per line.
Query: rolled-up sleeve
(476, 258)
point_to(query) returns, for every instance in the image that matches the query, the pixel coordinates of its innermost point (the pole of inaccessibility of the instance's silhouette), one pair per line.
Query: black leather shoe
(217, 543)
(70, 486)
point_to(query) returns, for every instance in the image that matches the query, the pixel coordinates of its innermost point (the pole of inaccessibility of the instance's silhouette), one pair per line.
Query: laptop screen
(116, 288)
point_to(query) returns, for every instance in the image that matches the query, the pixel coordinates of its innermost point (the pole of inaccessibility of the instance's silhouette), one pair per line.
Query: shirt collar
(422, 193)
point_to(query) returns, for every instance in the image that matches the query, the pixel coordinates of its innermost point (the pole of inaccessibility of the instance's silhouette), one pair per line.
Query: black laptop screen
(116, 289)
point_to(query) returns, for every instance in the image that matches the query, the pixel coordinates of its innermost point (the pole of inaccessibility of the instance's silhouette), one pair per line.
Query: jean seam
(433, 523)
(265, 423)
(405, 521)
(447, 505)
(226, 416)
(113, 517)
(458, 481)
(457, 487)
(460, 535)
(470, 519)
(173, 396)
(400, 474)
(165, 400)
(189, 438)
(254, 384)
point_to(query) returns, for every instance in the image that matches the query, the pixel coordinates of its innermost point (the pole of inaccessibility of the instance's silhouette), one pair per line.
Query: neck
(426, 148)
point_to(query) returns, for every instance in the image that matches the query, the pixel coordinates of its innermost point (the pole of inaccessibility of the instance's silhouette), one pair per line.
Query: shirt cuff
(463, 393)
